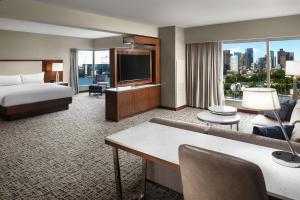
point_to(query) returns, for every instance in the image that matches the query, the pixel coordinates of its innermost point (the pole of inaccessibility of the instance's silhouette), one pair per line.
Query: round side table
(208, 117)
(223, 110)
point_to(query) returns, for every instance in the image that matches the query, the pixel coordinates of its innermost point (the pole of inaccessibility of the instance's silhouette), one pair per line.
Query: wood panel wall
(155, 57)
(49, 74)
(114, 66)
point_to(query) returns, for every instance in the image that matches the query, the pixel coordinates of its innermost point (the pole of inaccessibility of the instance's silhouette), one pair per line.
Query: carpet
(62, 155)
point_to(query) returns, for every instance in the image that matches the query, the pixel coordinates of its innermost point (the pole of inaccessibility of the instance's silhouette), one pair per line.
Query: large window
(102, 69)
(85, 67)
(93, 67)
(246, 65)
(280, 52)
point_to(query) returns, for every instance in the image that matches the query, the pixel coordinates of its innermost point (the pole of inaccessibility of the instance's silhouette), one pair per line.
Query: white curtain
(74, 71)
(204, 74)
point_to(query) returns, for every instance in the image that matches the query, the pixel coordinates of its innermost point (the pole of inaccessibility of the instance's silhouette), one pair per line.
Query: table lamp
(57, 67)
(266, 99)
(293, 68)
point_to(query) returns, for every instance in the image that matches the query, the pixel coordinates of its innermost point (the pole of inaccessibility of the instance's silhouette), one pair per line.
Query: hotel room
(123, 100)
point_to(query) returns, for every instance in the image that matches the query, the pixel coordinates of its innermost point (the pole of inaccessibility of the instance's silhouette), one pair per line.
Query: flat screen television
(134, 67)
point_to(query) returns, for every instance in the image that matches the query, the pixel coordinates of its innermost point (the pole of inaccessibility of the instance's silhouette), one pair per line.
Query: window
(246, 65)
(85, 67)
(93, 67)
(102, 69)
(280, 52)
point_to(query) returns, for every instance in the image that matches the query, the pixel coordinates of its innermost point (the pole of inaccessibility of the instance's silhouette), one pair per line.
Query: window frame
(93, 65)
(267, 41)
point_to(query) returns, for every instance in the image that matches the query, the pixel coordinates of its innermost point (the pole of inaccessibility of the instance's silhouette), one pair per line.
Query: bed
(26, 100)
(24, 95)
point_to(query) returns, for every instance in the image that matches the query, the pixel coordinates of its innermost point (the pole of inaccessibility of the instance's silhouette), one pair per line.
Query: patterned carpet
(62, 155)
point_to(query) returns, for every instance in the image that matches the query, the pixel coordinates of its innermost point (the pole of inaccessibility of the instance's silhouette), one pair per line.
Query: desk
(159, 144)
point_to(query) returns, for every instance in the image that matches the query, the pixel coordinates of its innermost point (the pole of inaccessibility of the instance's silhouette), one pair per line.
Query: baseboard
(174, 109)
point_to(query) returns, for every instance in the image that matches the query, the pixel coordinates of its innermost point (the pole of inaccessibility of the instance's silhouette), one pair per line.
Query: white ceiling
(33, 27)
(184, 13)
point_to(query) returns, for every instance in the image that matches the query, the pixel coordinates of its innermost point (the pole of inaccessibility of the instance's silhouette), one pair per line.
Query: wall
(18, 45)
(30, 10)
(173, 82)
(168, 88)
(180, 67)
(246, 30)
(110, 42)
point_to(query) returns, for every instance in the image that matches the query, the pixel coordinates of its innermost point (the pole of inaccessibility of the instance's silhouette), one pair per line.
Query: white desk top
(163, 141)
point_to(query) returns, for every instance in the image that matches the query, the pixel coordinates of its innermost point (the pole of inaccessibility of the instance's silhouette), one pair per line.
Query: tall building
(290, 56)
(272, 59)
(283, 56)
(249, 57)
(239, 55)
(234, 64)
(226, 60)
(261, 63)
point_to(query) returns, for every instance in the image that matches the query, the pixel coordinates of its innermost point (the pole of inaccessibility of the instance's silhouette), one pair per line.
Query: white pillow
(10, 80)
(33, 78)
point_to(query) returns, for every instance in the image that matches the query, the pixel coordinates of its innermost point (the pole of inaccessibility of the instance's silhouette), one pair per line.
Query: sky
(259, 48)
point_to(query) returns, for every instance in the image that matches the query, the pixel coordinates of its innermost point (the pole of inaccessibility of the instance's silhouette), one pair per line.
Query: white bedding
(31, 93)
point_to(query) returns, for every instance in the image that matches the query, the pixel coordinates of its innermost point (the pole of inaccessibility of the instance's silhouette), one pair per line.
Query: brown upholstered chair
(210, 175)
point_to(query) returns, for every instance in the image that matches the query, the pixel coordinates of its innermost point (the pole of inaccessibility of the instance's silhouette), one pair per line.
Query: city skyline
(259, 48)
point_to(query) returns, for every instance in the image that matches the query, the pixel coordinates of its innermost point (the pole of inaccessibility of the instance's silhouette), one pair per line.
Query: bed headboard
(12, 67)
(20, 67)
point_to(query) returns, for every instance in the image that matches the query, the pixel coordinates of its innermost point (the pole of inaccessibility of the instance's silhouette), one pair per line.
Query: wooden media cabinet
(122, 102)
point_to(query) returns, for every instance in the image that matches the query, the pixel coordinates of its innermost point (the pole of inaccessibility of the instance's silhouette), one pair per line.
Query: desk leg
(144, 173)
(117, 172)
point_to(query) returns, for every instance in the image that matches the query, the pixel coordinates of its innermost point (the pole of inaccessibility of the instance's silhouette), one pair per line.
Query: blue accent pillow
(292, 104)
(273, 131)
(287, 107)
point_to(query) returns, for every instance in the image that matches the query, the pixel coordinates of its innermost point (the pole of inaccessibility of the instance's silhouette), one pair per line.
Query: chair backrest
(215, 176)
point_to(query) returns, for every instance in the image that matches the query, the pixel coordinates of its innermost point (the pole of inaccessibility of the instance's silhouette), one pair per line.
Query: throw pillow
(273, 131)
(292, 104)
(284, 104)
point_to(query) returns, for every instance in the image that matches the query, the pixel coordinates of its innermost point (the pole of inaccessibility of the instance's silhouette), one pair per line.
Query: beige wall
(180, 79)
(110, 42)
(173, 93)
(40, 12)
(254, 29)
(18, 45)
(168, 88)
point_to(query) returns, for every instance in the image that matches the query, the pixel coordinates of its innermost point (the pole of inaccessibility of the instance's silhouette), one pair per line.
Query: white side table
(208, 117)
(223, 110)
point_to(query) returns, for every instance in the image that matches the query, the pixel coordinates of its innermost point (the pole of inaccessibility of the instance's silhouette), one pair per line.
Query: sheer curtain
(204, 74)
(74, 71)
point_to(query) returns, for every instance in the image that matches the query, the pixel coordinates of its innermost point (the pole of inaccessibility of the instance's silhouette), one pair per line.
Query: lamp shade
(57, 67)
(292, 68)
(260, 99)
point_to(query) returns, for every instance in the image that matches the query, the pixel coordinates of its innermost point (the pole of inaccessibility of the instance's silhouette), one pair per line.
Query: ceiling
(184, 13)
(33, 27)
